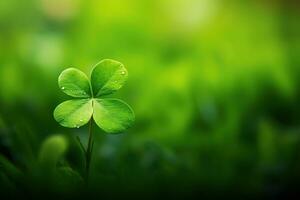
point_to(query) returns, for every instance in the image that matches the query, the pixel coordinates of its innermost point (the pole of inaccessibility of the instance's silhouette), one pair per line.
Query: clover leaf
(91, 104)
(110, 114)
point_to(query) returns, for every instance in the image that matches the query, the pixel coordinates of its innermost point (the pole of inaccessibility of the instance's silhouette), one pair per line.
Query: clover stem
(89, 149)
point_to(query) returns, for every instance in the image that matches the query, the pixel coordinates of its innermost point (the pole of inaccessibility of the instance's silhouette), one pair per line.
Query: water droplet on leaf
(122, 72)
(63, 88)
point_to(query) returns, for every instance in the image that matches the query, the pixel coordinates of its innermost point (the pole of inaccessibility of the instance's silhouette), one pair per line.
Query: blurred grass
(214, 85)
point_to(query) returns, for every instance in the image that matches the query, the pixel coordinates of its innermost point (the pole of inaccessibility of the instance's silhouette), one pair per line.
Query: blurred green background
(214, 85)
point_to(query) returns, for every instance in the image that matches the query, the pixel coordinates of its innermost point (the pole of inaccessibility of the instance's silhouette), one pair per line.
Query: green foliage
(9, 169)
(47, 170)
(74, 113)
(112, 115)
(74, 83)
(107, 77)
(53, 148)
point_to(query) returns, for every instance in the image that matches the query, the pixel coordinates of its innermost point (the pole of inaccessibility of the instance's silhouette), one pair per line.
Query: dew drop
(77, 126)
(122, 72)
(81, 120)
(63, 88)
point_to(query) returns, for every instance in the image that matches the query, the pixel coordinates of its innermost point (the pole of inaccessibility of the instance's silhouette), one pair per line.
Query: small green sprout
(91, 103)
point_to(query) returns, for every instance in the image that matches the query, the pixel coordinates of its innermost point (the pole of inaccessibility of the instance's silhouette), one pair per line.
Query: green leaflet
(74, 83)
(74, 113)
(107, 77)
(112, 115)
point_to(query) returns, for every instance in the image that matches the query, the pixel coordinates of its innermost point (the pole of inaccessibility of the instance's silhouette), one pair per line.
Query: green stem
(89, 150)
(81, 145)
(88, 153)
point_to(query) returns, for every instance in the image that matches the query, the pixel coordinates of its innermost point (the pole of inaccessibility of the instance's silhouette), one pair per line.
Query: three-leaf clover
(110, 114)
